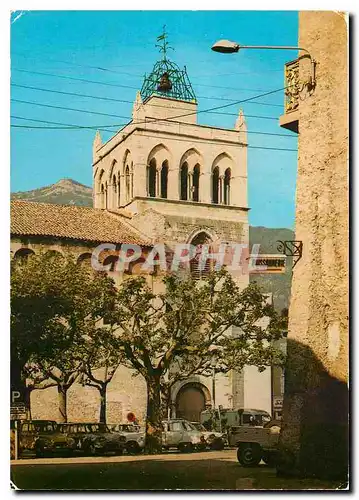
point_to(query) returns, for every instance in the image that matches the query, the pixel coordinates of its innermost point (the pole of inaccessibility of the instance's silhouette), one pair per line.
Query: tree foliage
(55, 305)
(190, 328)
(68, 322)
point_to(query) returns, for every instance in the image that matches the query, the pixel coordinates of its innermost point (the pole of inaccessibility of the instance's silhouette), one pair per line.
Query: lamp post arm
(284, 47)
(275, 47)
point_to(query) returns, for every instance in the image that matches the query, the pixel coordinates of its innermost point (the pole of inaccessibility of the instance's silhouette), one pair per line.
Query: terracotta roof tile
(69, 221)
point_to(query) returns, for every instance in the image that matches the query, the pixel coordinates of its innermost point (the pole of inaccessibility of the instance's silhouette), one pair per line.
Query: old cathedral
(162, 178)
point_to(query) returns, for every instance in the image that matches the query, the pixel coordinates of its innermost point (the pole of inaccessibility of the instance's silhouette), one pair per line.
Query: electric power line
(153, 120)
(68, 109)
(107, 84)
(104, 127)
(63, 126)
(110, 70)
(146, 135)
(119, 116)
(76, 94)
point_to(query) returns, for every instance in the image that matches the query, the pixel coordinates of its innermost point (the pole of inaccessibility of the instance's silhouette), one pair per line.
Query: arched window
(131, 180)
(103, 194)
(184, 182)
(114, 191)
(151, 179)
(195, 187)
(128, 183)
(100, 190)
(118, 190)
(85, 261)
(200, 269)
(215, 184)
(23, 253)
(227, 186)
(164, 178)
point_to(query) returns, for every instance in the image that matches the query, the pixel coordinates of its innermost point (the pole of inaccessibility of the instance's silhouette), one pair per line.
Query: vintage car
(94, 438)
(135, 438)
(43, 438)
(181, 434)
(215, 440)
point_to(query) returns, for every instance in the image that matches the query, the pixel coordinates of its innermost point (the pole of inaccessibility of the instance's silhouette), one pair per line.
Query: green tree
(190, 325)
(55, 303)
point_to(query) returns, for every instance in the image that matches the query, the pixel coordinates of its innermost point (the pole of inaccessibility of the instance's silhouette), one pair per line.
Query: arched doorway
(190, 402)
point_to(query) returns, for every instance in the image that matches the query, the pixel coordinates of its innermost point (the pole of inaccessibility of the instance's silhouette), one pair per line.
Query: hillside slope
(63, 192)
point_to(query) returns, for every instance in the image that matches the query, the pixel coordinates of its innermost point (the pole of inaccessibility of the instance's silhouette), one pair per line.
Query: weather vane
(165, 45)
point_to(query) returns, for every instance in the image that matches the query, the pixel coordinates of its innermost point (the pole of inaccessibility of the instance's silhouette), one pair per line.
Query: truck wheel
(40, 450)
(185, 447)
(133, 448)
(249, 454)
(270, 458)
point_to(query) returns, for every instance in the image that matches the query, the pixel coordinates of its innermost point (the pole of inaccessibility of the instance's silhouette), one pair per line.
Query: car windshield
(45, 427)
(127, 428)
(188, 426)
(95, 428)
(255, 418)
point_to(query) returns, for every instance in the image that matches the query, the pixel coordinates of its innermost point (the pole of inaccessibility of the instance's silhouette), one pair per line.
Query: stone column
(158, 183)
(190, 186)
(220, 187)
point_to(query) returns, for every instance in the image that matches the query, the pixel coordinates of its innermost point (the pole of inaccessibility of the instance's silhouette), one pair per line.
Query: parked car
(215, 440)
(135, 437)
(181, 434)
(42, 437)
(94, 438)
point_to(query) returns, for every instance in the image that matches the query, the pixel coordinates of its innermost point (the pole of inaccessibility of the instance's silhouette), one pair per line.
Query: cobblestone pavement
(212, 470)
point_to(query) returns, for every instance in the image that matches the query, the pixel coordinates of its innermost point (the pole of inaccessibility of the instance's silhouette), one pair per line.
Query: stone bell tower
(182, 182)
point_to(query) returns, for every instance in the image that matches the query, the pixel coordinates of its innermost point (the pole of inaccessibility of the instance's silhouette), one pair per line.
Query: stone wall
(315, 410)
(126, 393)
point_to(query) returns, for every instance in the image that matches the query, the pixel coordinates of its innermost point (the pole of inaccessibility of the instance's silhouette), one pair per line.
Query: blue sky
(70, 43)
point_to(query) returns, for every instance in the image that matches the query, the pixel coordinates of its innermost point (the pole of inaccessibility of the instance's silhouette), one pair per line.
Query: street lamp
(228, 47)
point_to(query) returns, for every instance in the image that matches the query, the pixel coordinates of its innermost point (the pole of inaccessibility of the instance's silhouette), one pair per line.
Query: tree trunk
(27, 399)
(153, 418)
(62, 393)
(165, 400)
(103, 393)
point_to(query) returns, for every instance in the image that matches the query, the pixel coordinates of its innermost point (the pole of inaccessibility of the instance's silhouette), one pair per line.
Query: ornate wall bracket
(294, 86)
(291, 248)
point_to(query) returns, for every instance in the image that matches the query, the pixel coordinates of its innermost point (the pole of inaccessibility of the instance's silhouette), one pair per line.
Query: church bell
(165, 83)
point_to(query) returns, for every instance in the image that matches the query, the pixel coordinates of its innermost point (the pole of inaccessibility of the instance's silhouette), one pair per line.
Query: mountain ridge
(66, 191)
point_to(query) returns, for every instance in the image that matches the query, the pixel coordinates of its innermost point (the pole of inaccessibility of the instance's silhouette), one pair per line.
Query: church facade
(170, 181)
